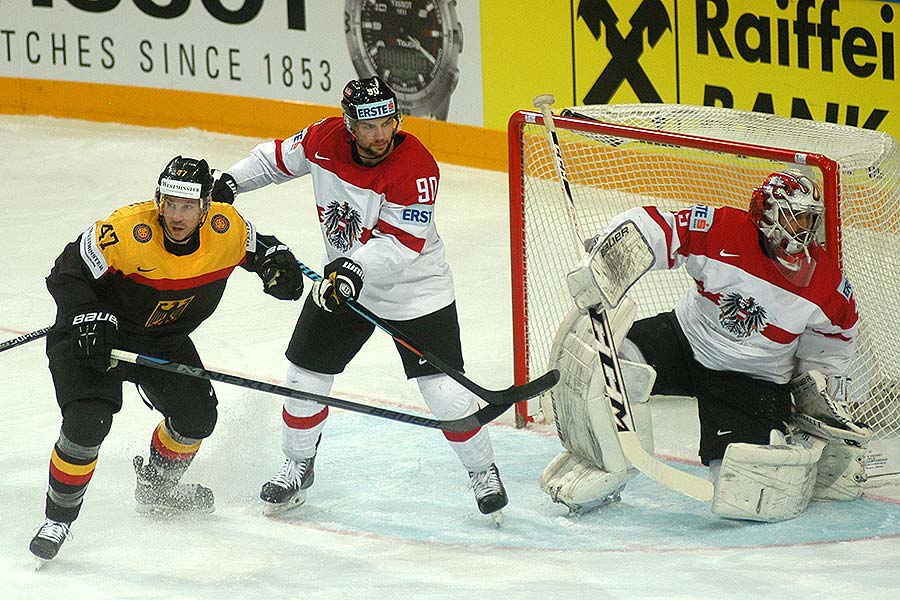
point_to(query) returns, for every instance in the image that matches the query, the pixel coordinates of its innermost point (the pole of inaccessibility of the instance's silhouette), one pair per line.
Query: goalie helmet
(788, 208)
(185, 178)
(369, 98)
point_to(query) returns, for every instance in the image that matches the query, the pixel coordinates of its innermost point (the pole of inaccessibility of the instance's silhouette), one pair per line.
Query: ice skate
(288, 488)
(161, 495)
(489, 492)
(48, 540)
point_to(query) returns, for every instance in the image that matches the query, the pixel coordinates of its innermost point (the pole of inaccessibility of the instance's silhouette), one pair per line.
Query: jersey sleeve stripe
(279, 158)
(666, 229)
(779, 335)
(404, 237)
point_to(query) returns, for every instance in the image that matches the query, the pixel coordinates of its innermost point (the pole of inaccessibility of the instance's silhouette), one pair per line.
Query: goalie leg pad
(580, 485)
(767, 483)
(842, 469)
(593, 469)
(842, 472)
(579, 405)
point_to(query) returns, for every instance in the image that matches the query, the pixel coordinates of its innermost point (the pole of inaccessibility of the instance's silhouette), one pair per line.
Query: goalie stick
(675, 479)
(25, 338)
(509, 396)
(462, 425)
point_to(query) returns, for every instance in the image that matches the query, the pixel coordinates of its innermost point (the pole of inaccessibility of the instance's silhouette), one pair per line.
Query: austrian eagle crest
(741, 316)
(342, 225)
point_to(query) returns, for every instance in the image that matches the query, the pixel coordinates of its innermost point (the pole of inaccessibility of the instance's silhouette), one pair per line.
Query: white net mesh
(610, 173)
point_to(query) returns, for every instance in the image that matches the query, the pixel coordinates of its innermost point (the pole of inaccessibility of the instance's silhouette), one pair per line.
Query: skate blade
(497, 518)
(39, 563)
(271, 509)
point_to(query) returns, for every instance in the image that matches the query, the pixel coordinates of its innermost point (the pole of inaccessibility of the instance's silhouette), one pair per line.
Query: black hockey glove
(343, 281)
(280, 273)
(94, 333)
(224, 187)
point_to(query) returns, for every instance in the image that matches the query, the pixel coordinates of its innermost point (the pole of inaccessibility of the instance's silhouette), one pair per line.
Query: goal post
(674, 156)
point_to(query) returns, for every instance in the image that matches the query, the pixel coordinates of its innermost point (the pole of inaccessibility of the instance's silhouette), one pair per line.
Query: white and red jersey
(381, 216)
(743, 315)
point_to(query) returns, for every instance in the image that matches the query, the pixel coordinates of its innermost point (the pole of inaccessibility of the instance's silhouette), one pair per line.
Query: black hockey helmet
(186, 178)
(369, 98)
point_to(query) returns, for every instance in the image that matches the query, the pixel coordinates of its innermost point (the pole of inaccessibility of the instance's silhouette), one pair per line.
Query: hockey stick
(680, 481)
(462, 425)
(509, 396)
(24, 339)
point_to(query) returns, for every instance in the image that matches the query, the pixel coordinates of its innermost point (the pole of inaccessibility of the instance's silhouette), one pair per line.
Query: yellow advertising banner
(827, 60)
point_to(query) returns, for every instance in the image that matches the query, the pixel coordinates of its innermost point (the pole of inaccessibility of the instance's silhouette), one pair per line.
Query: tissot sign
(202, 45)
(288, 49)
(828, 60)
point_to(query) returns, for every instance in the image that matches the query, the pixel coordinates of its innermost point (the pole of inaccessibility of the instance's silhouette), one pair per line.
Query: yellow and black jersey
(124, 264)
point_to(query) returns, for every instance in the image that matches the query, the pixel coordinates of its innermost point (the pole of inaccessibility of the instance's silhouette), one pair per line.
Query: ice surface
(390, 514)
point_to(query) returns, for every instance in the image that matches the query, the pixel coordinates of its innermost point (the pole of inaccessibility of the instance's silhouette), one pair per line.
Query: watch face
(404, 40)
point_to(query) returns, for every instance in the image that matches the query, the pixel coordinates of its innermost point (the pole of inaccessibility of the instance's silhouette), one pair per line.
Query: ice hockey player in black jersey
(142, 281)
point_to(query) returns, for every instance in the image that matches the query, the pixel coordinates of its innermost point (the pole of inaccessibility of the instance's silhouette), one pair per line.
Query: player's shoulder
(704, 218)
(410, 151)
(828, 277)
(224, 219)
(329, 128)
(138, 212)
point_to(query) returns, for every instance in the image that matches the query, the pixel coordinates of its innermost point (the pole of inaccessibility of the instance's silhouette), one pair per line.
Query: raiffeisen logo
(649, 21)
(805, 36)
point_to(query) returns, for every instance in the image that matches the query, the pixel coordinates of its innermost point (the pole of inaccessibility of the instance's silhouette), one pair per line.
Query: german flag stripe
(168, 447)
(182, 284)
(68, 473)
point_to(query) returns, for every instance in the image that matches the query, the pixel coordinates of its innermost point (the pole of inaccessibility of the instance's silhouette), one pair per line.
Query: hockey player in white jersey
(768, 315)
(375, 192)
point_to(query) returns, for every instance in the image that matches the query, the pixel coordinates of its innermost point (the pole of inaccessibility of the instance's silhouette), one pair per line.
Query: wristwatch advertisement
(413, 45)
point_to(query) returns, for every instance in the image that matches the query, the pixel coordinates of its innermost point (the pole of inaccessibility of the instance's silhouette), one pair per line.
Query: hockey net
(673, 156)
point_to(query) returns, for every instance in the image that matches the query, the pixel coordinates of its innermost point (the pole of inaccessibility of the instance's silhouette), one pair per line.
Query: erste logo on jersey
(343, 225)
(845, 289)
(142, 233)
(295, 141)
(741, 316)
(219, 223)
(701, 218)
(415, 215)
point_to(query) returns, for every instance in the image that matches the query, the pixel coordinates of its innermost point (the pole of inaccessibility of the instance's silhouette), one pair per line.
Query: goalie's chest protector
(742, 314)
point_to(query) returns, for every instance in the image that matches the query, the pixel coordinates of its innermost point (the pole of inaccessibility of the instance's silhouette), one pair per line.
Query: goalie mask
(788, 208)
(369, 98)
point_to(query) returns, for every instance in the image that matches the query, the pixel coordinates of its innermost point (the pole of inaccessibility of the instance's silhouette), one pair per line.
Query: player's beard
(368, 153)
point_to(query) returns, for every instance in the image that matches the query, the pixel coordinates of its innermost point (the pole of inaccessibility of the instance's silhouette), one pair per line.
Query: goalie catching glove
(343, 281)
